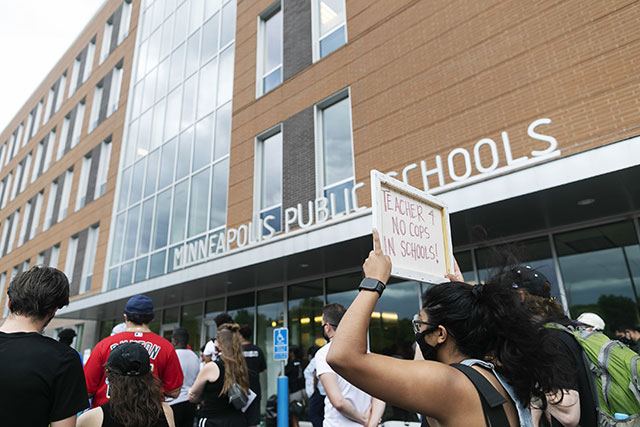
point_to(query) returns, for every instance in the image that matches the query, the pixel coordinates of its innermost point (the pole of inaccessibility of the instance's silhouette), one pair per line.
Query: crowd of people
(501, 353)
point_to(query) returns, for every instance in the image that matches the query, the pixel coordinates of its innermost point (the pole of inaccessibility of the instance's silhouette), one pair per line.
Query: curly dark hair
(135, 401)
(38, 291)
(488, 322)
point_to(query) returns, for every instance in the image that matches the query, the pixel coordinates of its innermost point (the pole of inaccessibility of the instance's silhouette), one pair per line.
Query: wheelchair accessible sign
(280, 344)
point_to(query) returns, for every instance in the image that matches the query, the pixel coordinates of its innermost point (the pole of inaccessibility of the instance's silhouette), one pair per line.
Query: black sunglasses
(417, 324)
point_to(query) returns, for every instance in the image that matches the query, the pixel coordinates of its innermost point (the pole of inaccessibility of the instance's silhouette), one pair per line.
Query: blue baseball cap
(140, 305)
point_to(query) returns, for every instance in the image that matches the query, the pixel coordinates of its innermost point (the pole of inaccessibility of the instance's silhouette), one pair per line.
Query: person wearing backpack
(485, 357)
(534, 290)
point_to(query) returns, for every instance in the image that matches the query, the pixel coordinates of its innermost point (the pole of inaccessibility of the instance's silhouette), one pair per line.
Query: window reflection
(270, 316)
(305, 314)
(343, 289)
(191, 320)
(601, 271)
(465, 263)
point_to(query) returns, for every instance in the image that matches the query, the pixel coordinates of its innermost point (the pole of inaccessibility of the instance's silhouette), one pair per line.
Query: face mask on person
(626, 341)
(429, 352)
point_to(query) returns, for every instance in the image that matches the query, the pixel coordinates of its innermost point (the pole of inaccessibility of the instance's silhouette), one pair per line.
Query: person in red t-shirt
(138, 313)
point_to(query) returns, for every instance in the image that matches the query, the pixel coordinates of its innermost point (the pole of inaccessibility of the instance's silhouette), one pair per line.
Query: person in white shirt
(314, 390)
(183, 410)
(344, 405)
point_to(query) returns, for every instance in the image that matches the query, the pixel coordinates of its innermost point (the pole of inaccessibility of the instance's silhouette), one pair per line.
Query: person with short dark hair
(42, 379)
(631, 336)
(209, 352)
(256, 364)
(184, 411)
(138, 313)
(297, 396)
(66, 336)
(344, 404)
(135, 393)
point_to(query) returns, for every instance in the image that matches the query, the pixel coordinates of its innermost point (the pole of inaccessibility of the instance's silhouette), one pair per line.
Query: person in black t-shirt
(42, 380)
(297, 396)
(256, 364)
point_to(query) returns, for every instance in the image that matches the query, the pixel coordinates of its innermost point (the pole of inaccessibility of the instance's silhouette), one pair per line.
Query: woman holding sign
(485, 358)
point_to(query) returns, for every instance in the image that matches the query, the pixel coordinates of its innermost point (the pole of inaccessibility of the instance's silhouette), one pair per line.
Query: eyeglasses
(417, 324)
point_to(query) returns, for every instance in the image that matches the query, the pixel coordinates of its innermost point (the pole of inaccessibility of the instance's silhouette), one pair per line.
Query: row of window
(78, 266)
(333, 153)
(173, 185)
(328, 30)
(93, 178)
(80, 72)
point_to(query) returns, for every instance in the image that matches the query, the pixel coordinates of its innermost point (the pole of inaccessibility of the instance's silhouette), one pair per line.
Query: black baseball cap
(129, 359)
(527, 277)
(140, 305)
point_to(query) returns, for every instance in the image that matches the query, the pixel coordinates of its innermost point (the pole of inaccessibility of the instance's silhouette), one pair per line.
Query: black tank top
(216, 406)
(108, 421)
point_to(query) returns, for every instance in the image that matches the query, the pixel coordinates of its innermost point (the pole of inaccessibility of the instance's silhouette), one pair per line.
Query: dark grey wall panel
(296, 28)
(74, 287)
(104, 101)
(298, 160)
(47, 256)
(117, 17)
(45, 144)
(83, 59)
(30, 219)
(56, 204)
(93, 173)
(72, 123)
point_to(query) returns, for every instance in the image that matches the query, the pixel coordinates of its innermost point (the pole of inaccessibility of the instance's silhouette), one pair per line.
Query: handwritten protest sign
(414, 230)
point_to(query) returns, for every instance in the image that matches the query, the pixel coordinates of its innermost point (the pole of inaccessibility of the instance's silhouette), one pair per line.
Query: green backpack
(614, 371)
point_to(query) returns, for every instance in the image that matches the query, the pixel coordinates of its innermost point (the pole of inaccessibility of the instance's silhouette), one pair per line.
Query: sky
(34, 34)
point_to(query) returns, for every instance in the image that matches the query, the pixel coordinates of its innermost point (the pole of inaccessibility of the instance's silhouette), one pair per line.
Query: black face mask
(626, 341)
(428, 351)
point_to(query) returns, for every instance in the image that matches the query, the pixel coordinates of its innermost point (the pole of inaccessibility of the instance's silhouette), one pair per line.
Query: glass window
(213, 307)
(210, 37)
(177, 66)
(126, 271)
(167, 31)
(124, 188)
(332, 32)
(183, 165)
(189, 102)
(89, 258)
(223, 131)
(270, 316)
(156, 267)
(600, 270)
(116, 248)
(228, 23)
(144, 138)
(271, 50)
(305, 314)
(225, 81)
(161, 227)
(70, 261)
(152, 173)
(198, 203)
(149, 90)
(172, 122)
(179, 211)
(158, 125)
(207, 88)
(163, 78)
(191, 320)
(81, 196)
(193, 53)
(337, 150)
(145, 227)
(270, 166)
(534, 252)
(343, 289)
(203, 143)
(465, 263)
(167, 163)
(218, 213)
(137, 181)
(141, 269)
(242, 308)
(182, 21)
(131, 233)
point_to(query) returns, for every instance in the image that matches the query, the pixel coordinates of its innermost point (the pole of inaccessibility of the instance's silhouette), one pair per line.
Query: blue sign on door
(280, 344)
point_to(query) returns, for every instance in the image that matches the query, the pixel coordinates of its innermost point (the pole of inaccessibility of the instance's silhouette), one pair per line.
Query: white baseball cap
(592, 320)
